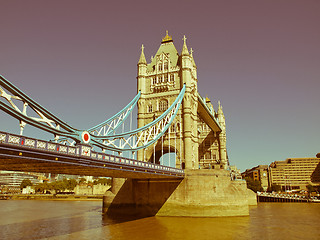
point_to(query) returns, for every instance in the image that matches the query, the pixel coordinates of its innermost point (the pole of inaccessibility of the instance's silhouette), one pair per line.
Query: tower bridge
(172, 118)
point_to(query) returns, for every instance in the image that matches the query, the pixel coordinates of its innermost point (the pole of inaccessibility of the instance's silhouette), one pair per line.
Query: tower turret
(141, 86)
(222, 138)
(190, 105)
(142, 71)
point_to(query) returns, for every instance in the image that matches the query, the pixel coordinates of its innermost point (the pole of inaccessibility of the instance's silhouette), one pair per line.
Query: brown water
(30, 219)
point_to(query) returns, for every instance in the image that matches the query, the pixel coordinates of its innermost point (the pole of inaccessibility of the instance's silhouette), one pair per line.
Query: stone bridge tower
(196, 143)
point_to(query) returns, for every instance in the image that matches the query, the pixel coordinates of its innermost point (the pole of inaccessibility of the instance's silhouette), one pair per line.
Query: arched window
(178, 127)
(172, 78)
(166, 78)
(163, 105)
(166, 66)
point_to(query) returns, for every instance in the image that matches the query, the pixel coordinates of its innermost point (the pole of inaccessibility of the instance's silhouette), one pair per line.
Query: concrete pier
(202, 193)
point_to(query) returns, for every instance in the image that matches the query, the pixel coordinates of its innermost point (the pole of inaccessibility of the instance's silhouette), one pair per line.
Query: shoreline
(56, 197)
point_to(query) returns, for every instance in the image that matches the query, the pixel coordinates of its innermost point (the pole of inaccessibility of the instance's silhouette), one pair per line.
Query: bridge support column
(202, 193)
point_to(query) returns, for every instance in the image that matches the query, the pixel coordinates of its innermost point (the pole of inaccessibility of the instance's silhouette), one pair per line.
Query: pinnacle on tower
(191, 55)
(142, 58)
(167, 38)
(220, 108)
(184, 48)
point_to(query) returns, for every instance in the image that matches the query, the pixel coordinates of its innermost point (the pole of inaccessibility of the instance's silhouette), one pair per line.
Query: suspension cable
(180, 127)
(175, 144)
(154, 152)
(162, 148)
(130, 131)
(169, 145)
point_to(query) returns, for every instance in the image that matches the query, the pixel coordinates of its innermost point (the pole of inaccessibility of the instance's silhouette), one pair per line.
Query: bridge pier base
(202, 193)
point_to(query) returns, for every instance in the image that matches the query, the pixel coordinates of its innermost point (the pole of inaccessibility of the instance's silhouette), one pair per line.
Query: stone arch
(158, 151)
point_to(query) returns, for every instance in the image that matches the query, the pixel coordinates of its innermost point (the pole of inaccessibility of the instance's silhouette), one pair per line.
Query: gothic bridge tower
(197, 135)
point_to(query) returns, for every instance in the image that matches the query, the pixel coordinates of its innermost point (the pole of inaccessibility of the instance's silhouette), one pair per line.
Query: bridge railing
(81, 151)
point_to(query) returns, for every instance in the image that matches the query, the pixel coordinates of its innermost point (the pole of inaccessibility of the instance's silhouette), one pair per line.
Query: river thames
(33, 219)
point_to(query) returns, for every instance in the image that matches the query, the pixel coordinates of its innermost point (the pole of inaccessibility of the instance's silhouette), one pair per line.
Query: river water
(33, 219)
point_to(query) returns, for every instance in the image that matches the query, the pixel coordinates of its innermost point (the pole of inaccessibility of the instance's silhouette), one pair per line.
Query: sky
(261, 59)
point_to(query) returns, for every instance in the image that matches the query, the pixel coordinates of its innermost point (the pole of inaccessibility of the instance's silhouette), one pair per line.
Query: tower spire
(184, 48)
(191, 55)
(142, 58)
(167, 38)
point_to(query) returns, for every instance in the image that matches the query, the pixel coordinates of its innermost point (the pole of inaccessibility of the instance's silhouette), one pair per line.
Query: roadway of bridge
(16, 156)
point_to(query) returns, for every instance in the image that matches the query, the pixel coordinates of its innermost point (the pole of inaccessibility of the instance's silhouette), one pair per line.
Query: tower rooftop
(167, 38)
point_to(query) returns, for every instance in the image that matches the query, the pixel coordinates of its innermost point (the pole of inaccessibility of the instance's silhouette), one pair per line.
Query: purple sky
(261, 59)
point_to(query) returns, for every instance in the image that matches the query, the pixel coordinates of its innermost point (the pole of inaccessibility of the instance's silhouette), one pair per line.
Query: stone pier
(202, 193)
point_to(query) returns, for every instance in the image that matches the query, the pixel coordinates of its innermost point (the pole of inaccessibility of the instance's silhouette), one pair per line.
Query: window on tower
(154, 80)
(166, 78)
(163, 105)
(160, 67)
(166, 66)
(150, 108)
(172, 78)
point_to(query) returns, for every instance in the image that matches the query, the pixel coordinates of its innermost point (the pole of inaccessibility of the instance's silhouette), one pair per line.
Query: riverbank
(65, 197)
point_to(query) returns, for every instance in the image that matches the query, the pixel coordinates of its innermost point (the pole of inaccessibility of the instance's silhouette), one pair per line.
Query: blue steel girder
(44, 120)
(112, 124)
(144, 136)
(47, 121)
(100, 135)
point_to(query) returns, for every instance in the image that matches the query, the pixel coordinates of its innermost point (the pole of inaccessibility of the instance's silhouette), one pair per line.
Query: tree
(254, 185)
(310, 188)
(25, 183)
(82, 180)
(42, 187)
(70, 184)
(58, 186)
(318, 155)
(103, 181)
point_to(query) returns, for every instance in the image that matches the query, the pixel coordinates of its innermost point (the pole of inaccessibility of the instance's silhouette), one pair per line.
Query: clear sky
(261, 59)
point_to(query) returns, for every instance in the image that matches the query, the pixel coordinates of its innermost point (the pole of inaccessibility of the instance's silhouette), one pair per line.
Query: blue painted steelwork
(48, 119)
(46, 123)
(146, 135)
(100, 135)
(112, 124)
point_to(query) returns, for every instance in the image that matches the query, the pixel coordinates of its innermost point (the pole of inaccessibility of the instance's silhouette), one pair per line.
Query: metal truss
(112, 124)
(31, 112)
(103, 135)
(141, 137)
(34, 114)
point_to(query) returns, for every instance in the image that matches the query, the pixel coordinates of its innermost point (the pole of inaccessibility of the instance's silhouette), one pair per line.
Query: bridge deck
(16, 155)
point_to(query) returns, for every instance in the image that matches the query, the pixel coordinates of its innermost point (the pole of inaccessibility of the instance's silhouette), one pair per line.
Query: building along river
(36, 219)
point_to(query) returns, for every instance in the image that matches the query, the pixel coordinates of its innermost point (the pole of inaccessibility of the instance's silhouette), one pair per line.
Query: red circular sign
(86, 137)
